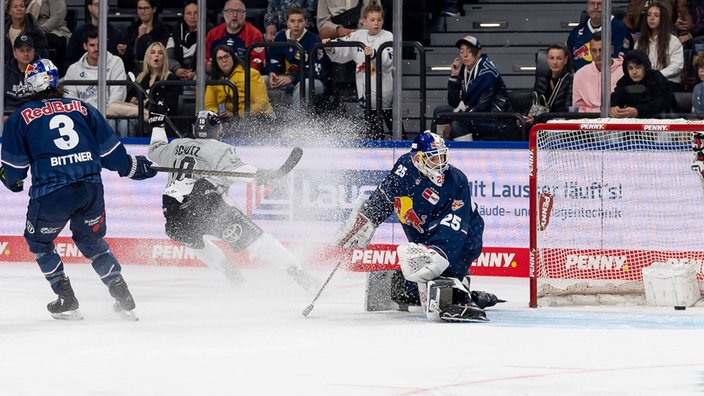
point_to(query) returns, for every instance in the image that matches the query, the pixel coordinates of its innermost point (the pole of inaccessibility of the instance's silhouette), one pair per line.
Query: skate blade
(464, 320)
(68, 315)
(126, 315)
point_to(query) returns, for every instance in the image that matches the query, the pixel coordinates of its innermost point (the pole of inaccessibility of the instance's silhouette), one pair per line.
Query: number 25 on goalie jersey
(444, 217)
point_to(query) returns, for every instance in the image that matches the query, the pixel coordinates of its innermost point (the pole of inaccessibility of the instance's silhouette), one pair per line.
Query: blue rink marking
(552, 318)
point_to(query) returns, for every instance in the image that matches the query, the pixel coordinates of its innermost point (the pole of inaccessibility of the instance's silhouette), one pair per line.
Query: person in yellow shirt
(228, 66)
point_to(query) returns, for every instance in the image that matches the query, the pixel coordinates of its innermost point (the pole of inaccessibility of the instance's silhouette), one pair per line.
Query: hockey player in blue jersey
(431, 199)
(66, 143)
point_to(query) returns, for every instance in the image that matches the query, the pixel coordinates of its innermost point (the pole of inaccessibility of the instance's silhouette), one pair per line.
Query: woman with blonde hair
(17, 23)
(155, 67)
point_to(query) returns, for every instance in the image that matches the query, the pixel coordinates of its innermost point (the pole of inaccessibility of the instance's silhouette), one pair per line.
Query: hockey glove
(16, 187)
(157, 114)
(356, 232)
(139, 168)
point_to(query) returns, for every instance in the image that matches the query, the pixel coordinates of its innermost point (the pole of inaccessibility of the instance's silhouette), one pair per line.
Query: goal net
(608, 198)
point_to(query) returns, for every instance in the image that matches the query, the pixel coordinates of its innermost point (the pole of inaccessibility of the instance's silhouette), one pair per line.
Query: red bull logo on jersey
(403, 206)
(53, 107)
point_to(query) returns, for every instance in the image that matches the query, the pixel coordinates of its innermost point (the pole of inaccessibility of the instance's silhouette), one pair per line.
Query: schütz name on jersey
(187, 150)
(52, 107)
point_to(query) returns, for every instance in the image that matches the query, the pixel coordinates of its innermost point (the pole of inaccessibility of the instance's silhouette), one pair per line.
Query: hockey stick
(283, 170)
(309, 308)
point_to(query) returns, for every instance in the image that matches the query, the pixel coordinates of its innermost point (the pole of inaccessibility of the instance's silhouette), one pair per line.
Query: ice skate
(469, 312)
(65, 307)
(303, 278)
(124, 303)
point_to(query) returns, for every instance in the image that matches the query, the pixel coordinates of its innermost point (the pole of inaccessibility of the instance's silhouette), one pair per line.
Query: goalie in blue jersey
(431, 199)
(66, 143)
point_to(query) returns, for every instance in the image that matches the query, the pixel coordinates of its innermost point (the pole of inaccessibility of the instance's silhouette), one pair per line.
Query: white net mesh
(610, 197)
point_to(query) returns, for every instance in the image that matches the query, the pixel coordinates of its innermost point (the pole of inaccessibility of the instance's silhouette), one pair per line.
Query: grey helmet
(207, 125)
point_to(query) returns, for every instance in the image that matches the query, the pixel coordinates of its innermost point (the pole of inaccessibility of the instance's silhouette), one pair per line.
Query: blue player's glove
(16, 187)
(139, 168)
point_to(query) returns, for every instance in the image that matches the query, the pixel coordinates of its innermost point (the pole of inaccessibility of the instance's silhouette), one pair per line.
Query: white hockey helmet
(41, 74)
(207, 125)
(430, 156)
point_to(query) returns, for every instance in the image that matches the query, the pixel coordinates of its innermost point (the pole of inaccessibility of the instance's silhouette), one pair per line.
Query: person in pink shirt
(586, 86)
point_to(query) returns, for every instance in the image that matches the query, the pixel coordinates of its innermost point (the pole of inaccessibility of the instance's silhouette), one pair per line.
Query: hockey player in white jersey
(194, 204)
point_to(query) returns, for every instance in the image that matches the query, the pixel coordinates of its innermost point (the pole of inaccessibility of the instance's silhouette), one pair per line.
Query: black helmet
(207, 125)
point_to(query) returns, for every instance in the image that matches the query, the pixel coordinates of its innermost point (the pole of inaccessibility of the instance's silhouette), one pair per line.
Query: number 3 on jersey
(64, 125)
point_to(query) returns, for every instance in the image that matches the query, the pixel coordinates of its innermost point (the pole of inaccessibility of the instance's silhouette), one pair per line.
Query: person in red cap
(475, 85)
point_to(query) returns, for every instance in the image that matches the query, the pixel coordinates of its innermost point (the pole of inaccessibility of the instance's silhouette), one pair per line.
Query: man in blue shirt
(66, 143)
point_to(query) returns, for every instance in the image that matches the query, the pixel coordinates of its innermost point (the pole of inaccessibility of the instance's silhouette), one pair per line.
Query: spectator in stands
(182, 45)
(554, 88)
(450, 8)
(662, 47)
(17, 92)
(586, 87)
(155, 67)
(51, 18)
(642, 92)
(372, 37)
(276, 18)
(86, 68)
(475, 85)
(219, 98)
(17, 23)
(697, 12)
(282, 70)
(337, 18)
(578, 40)
(679, 10)
(74, 48)
(238, 34)
(698, 93)
(143, 31)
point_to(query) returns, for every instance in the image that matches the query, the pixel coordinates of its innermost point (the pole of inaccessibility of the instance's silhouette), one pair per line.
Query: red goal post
(608, 198)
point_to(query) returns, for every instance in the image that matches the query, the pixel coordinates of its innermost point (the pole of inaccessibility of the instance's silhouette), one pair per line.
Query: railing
(399, 78)
(301, 63)
(188, 83)
(492, 114)
(127, 83)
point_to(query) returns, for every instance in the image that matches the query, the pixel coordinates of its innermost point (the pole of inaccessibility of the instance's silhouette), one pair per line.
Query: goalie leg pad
(438, 297)
(420, 263)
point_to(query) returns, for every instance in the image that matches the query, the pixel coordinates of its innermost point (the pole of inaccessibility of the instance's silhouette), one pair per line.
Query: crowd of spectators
(151, 50)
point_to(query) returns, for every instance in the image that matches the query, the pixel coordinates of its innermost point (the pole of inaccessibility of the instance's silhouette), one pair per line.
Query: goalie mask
(41, 74)
(430, 156)
(207, 125)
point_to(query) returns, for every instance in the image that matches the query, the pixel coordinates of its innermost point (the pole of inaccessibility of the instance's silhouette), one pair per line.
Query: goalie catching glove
(420, 263)
(357, 230)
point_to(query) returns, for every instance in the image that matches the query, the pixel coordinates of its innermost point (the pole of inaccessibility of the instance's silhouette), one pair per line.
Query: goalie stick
(310, 306)
(283, 170)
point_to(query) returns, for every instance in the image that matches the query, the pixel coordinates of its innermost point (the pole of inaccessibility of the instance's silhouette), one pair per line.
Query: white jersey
(204, 154)
(346, 54)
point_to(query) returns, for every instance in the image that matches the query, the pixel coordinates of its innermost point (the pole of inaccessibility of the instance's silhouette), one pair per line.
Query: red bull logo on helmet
(403, 207)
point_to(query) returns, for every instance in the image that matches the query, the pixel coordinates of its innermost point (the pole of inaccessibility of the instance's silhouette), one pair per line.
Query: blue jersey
(64, 141)
(442, 217)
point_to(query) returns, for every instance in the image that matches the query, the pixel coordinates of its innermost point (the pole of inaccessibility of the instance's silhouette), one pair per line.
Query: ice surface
(200, 335)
